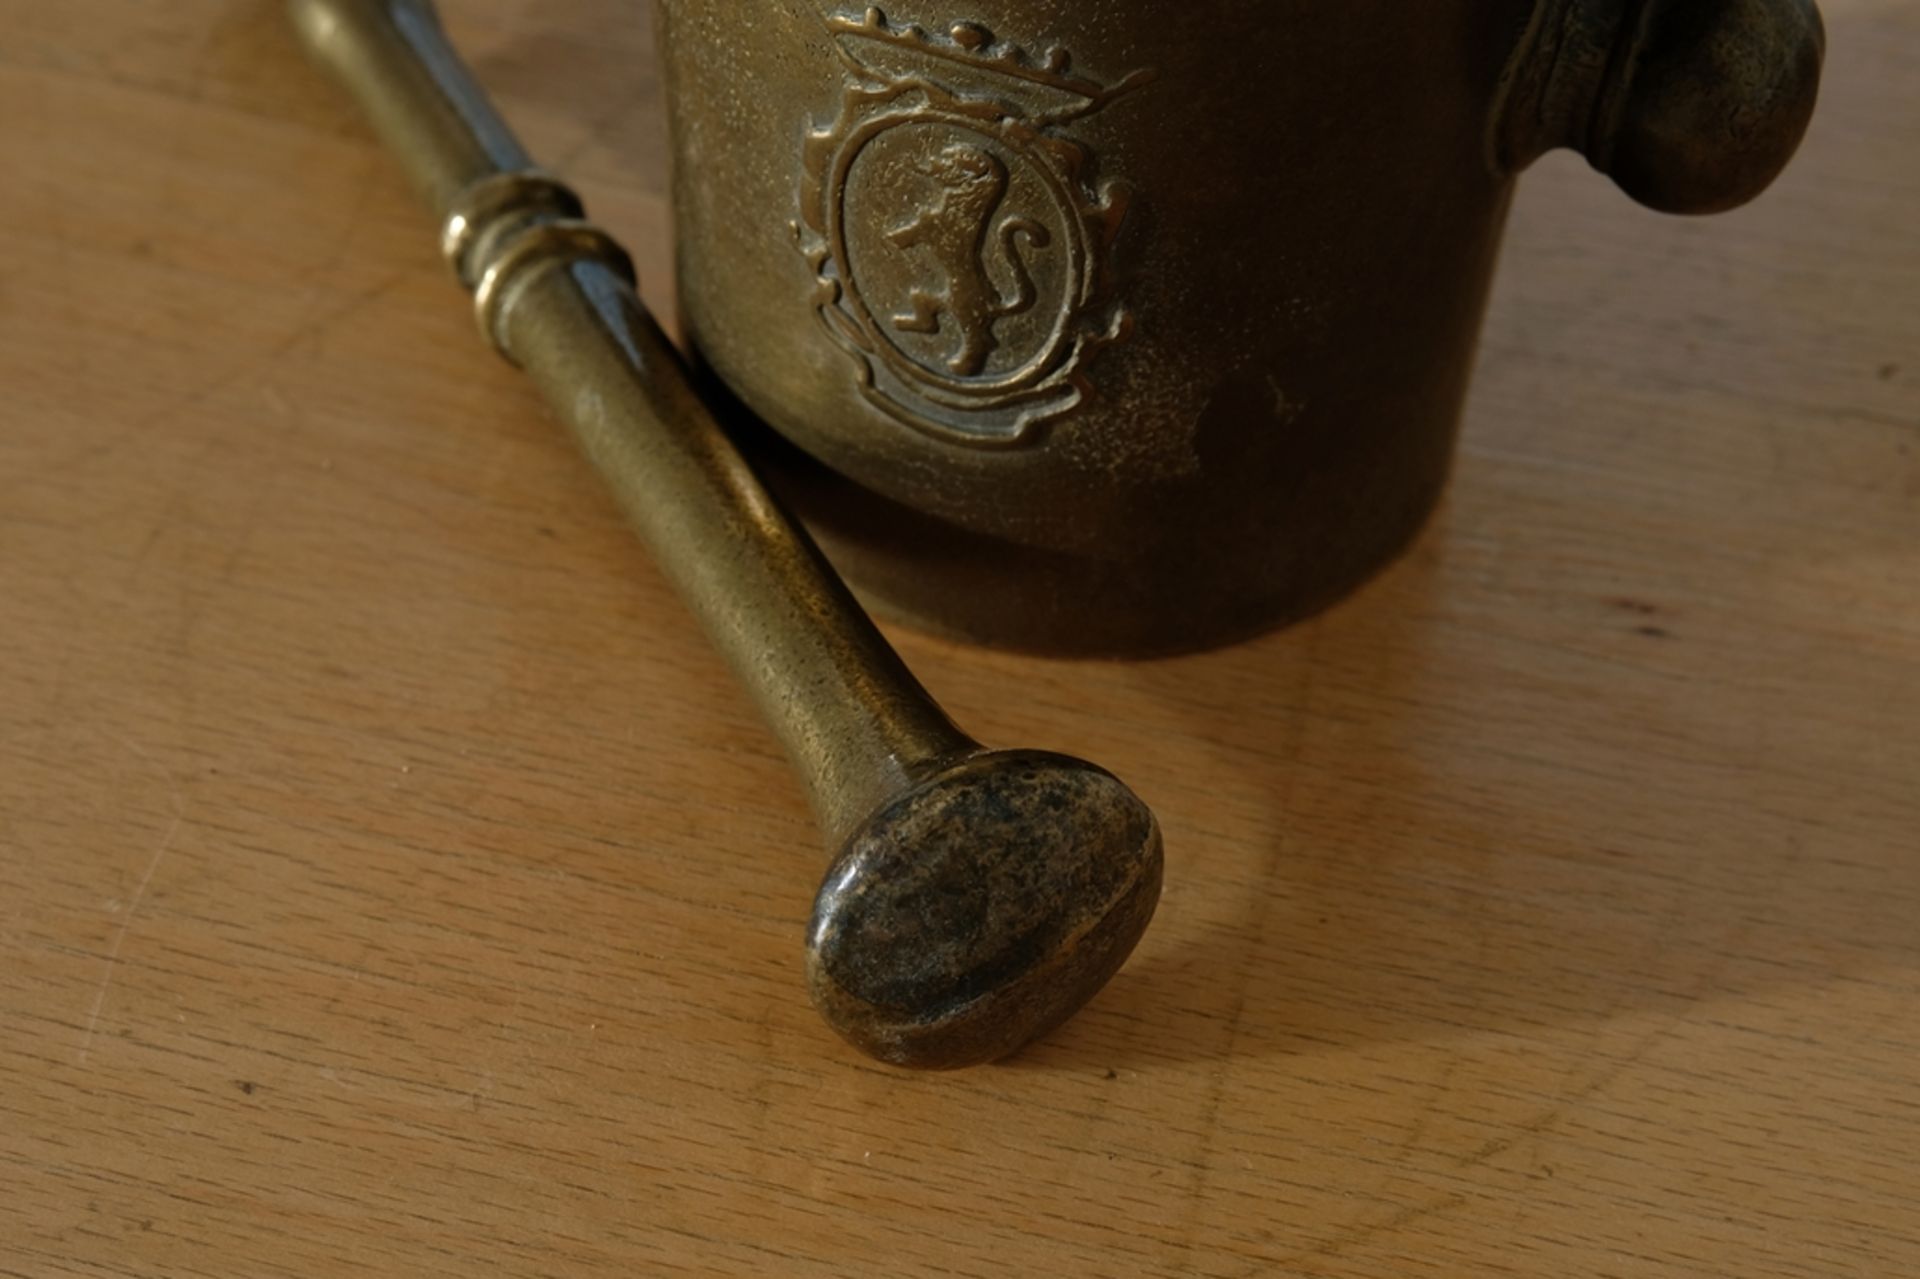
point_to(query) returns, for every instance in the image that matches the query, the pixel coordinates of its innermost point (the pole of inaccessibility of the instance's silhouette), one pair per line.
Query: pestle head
(981, 908)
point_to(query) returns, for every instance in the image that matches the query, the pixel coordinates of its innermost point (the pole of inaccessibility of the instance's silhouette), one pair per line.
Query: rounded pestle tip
(982, 908)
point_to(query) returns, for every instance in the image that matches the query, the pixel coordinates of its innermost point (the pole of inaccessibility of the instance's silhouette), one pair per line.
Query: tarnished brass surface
(978, 897)
(1139, 326)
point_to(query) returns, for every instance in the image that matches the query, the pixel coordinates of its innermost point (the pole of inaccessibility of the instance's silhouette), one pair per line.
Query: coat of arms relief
(961, 242)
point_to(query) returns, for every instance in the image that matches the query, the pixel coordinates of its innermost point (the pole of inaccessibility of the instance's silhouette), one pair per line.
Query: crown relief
(877, 48)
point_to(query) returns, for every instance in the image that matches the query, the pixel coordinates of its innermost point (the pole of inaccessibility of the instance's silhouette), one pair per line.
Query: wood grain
(392, 883)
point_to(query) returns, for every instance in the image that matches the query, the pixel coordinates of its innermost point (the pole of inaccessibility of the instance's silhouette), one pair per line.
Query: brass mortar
(1126, 326)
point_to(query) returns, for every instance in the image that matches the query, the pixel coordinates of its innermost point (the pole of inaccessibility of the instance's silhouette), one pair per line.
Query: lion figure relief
(960, 234)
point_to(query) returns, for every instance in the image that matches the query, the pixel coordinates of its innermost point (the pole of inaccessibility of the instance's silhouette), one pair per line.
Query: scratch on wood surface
(1254, 931)
(120, 935)
(1361, 1234)
(133, 902)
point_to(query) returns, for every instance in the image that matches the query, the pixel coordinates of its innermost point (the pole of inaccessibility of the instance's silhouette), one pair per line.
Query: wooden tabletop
(391, 881)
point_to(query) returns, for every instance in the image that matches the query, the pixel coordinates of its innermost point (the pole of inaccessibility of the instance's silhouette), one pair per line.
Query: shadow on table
(1492, 805)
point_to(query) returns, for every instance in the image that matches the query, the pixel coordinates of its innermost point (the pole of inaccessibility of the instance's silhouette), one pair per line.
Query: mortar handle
(1691, 106)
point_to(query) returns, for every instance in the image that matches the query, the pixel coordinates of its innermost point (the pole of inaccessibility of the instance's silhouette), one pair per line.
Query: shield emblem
(963, 260)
